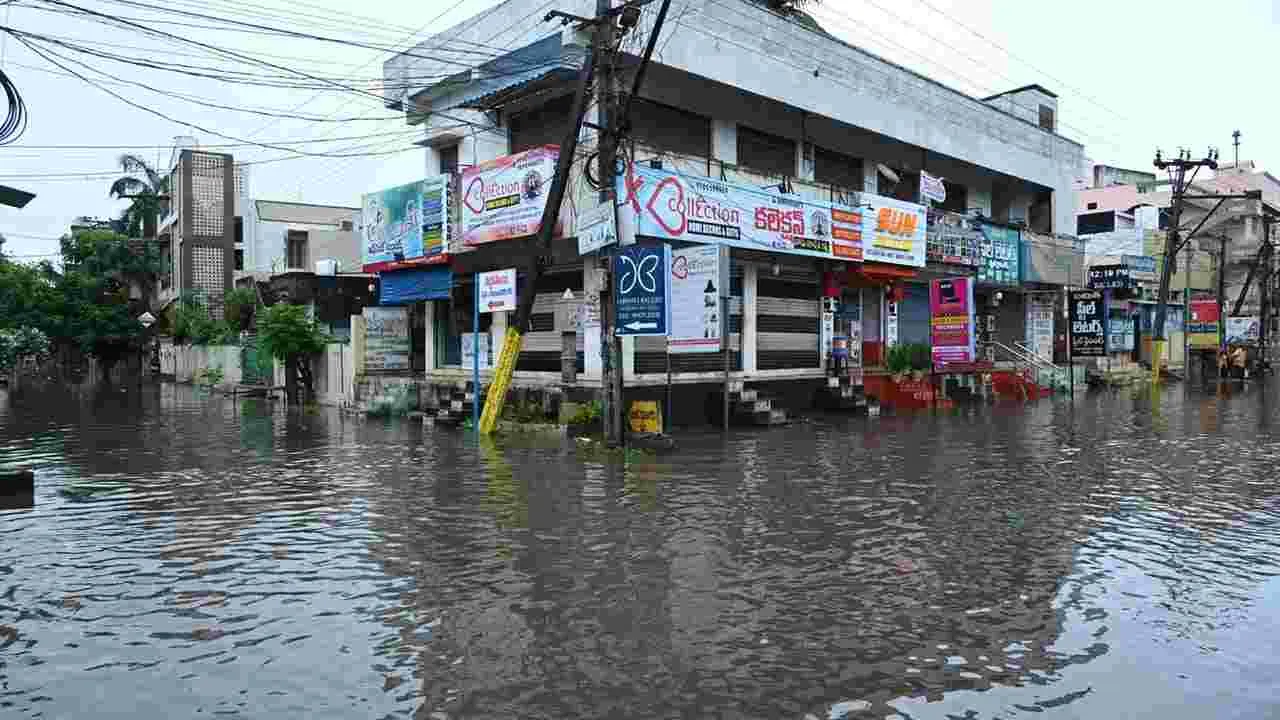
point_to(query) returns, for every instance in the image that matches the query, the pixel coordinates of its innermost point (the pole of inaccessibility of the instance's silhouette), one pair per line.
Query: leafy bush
(586, 413)
(24, 342)
(526, 412)
(240, 305)
(192, 324)
(907, 357)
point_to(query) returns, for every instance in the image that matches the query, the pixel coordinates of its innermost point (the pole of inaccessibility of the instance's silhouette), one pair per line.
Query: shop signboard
(1110, 277)
(1087, 313)
(1202, 328)
(642, 290)
(504, 198)
(999, 259)
(386, 338)
(1243, 330)
(896, 231)
(1121, 333)
(1040, 311)
(1141, 267)
(697, 300)
(932, 188)
(497, 290)
(669, 206)
(597, 228)
(951, 320)
(404, 226)
(951, 239)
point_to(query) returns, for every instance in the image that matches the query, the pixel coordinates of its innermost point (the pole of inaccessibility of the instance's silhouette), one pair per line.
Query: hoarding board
(642, 290)
(386, 338)
(951, 330)
(1087, 313)
(404, 226)
(505, 197)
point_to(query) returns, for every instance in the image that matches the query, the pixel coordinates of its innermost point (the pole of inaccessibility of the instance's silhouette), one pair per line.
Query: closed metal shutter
(651, 352)
(545, 125)
(913, 315)
(787, 321)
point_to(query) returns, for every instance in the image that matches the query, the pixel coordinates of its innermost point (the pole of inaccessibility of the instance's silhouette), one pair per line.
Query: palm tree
(145, 188)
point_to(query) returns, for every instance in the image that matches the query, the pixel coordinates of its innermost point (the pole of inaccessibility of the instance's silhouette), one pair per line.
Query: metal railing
(1041, 371)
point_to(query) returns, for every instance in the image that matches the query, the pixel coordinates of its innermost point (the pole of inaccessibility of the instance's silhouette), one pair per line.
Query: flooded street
(196, 556)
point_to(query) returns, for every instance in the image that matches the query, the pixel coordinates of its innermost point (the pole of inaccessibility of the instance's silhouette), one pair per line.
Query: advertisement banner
(597, 228)
(1040, 312)
(386, 338)
(1141, 267)
(1087, 313)
(668, 206)
(999, 261)
(405, 225)
(932, 188)
(696, 306)
(498, 290)
(951, 320)
(1202, 330)
(504, 198)
(642, 290)
(1243, 330)
(896, 231)
(951, 239)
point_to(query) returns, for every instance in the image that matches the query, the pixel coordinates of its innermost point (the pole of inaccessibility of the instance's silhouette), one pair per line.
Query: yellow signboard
(645, 416)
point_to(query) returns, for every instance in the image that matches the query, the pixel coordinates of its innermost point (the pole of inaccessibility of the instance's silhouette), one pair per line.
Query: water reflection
(198, 554)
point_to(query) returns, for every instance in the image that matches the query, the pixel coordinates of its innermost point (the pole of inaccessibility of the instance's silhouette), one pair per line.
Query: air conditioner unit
(326, 267)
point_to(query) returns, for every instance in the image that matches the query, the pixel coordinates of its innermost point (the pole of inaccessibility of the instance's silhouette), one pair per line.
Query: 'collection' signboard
(669, 206)
(1088, 317)
(504, 198)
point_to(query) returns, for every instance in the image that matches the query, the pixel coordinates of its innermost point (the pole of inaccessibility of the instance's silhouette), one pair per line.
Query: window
(345, 225)
(1091, 206)
(239, 259)
(665, 128)
(1046, 118)
(239, 230)
(833, 168)
(448, 157)
(766, 153)
(957, 198)
(545, 125)
(296, 249)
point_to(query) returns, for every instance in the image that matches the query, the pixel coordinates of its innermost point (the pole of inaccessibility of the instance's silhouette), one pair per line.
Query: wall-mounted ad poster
(1087, 313)
(405, 225)
(504, 198)
(998, 255)
(1202, 328)
(1243, 330)
(1040, 311)
(697, 304)
(895, 231)
(951, 321)
(386, 338)
(668, 206)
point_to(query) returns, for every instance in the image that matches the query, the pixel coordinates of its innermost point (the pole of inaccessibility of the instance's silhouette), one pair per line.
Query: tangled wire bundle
(15, 122)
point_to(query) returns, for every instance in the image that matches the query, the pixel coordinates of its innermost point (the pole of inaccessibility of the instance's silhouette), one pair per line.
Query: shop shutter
(668, 129)
(544, 125)
(540, 351)
(787, 321)
(765, 153)
(651, 352)
(913, 315)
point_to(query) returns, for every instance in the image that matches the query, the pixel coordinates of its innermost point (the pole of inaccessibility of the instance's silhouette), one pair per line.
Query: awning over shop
(401, 287)
(881, 273)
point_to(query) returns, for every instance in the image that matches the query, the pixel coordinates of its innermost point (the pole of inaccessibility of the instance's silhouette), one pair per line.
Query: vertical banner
(386, 338)
(1088, 316)
(951, 321)
(642, 290)
(1040, 311)
(696, 304)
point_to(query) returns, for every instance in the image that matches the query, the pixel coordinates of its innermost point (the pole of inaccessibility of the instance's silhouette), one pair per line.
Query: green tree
(145, 188)
(285, 331)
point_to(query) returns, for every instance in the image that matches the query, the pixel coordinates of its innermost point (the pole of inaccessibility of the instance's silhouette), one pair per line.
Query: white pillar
(870, 179)
(750, 276)
(592, 278)
(429, 341)
(497, 335)
(628, 358)
(724, 141)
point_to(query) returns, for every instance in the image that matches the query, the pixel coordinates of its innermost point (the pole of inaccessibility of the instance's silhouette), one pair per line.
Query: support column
(628, 358)
(750, 278)
(429, 341)
(497, 334)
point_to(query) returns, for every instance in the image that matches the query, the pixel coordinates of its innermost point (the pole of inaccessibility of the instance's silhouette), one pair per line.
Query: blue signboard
(642, 290)
(998, 255)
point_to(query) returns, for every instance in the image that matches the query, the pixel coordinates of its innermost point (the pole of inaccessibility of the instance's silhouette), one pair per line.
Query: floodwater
(194, 556)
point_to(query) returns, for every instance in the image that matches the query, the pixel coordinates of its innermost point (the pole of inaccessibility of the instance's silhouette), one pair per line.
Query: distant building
(197, 233)
(274, 237)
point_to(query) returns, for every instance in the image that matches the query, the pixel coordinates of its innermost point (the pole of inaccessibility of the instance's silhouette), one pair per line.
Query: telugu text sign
(642, 290)
(668, 206)
(386, 338)
(1088, 317)
(405, 225)
(497, 290)
(505, 198)
(597, 228)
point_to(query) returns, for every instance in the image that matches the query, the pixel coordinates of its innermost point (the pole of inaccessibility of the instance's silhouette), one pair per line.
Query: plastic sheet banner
(405, 225)
(1202, 326)
(504, 198)
(951, 330)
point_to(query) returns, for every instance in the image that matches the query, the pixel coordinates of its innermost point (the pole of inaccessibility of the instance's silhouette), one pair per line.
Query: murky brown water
(193, 556)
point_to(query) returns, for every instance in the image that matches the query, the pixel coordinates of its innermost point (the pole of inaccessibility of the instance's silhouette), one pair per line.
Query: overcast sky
(1128, 77)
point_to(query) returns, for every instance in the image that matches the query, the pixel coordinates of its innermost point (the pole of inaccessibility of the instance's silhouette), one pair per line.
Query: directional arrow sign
(642, 290)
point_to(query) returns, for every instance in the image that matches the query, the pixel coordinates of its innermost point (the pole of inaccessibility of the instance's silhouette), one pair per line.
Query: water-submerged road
(195, 556)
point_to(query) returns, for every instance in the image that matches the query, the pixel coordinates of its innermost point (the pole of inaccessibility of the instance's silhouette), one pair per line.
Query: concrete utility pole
(610, 343)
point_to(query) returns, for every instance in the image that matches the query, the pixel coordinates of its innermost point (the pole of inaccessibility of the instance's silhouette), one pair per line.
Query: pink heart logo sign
(669, 208)
(474, 196)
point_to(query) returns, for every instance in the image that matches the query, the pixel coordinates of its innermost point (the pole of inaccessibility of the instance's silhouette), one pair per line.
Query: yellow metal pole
(1157, 352)
(502, 372)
